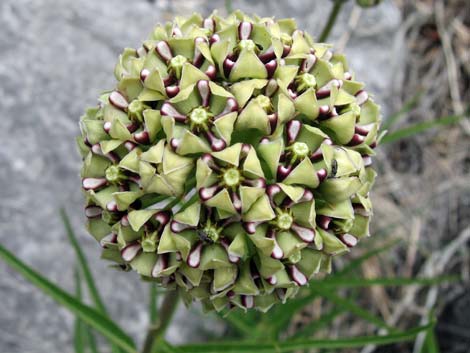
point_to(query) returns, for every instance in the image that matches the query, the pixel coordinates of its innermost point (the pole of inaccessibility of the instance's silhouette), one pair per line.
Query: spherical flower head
(231, 161)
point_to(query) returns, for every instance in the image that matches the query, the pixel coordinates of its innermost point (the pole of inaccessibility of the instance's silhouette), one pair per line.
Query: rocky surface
(56, 57)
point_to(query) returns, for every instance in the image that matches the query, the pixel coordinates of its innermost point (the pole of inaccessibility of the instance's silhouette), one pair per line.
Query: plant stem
(157, 329)
(331, 20)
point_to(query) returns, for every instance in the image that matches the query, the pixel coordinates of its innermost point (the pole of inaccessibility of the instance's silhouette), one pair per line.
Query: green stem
(331, 20)
(157, 329)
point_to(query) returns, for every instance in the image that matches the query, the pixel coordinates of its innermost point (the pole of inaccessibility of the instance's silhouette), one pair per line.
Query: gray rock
(56, 57)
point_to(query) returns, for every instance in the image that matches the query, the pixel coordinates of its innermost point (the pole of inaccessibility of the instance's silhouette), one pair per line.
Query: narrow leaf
(394, 118)
(398, 281)
(289, 346)
(89, 315)
(417, 128)
(79, 332)
(350, 306)
(82, 262)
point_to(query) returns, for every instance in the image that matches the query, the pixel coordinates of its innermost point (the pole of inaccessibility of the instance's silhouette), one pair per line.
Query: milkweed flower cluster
(231, 161)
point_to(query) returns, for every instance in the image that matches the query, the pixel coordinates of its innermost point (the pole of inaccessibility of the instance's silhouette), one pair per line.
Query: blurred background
(57, 56)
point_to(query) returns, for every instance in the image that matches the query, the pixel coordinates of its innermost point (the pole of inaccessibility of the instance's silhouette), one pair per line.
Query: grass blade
(406, 108)
(309, 329)
(351, 306)
(79, 332)
(91, 340)
(86, 313)
(417, 128)
(83, 263)
(397, 281)
(289, 346)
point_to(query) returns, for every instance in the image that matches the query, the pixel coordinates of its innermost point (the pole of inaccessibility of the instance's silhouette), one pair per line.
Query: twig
(157, 329)
(331, 20)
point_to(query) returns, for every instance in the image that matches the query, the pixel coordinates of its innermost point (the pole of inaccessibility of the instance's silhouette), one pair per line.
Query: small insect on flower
(231, 161)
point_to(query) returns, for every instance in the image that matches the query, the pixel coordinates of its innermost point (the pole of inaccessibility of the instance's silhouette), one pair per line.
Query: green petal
(249, 195)
(268, 266)
(119, 131)
(238, 246)
(125, 198)
(289, 243)
(213, 257)
(253, 116)
(243, 90)
(260, 211)
(248, 66)
(94, 130)
(245, 284)
(104, 196)
(259, 239)
(341, 210)
(143, 263)
(155, 153)
(310, 262)
(322, 72)
(194, 275)
(190, 215)
(340, 127)
(224, 277)
(130, 87)
(138, 218)
(222, 201)
(173, 162)
(340, 189)
(360, 227)
(94, 166)
(191, 75)
(154, 81)
(203, 173)
(285, 108)
(252, 165)
(190, 144)
(270, 152)
(304, 213)
(98, 228)
(230, 155)
(224, 126)
(307, 104)
(131, 161)
(304, 174)
(295, 193)
(331, 244)
(153, 122)
(149, 95)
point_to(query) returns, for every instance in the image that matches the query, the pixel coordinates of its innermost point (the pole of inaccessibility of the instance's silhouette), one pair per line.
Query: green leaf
(86, 313)
(350, 306)
(91, 340)
(79, 332)
(289, 346)
(309, 329)
(394, 118)
(95, 295)
(279, 318)
(356, 263)
(417, 128)
(398, 281)
(240, 323)
(82, 262)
